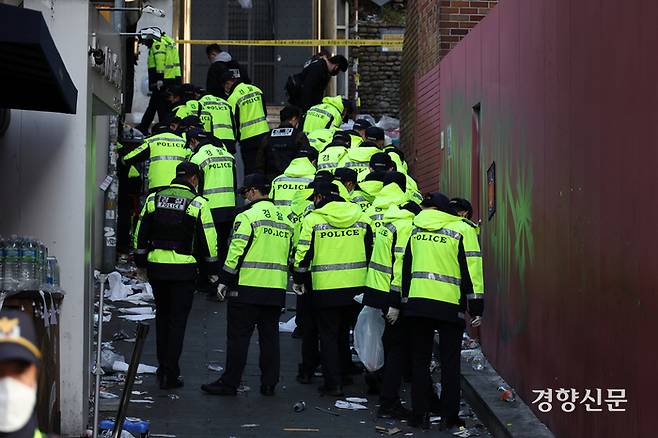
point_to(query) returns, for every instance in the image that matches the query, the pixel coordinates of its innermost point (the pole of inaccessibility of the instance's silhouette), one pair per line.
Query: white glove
(475, 322)
(221, 291)
(392, 315)
(159, 85)
(299, 289)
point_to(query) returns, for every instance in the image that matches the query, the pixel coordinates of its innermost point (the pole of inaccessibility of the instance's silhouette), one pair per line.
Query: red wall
(569, 113)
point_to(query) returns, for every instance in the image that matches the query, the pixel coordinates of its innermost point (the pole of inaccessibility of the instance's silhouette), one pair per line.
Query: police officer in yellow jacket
(174, 234)
(249, 117)
(327, 114)
(297, 176)
(256, 276)
(217, 118)
(332, 255)
(441, 280)
(165, 149)
(217, 183)
(383, 292)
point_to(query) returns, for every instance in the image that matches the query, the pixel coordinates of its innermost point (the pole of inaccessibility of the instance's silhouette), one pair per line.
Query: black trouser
(249, 148)
(223, 229)
(173, 301)
(334, 329)
(307, 322)
(157, 103)
(422, 342)
(397, 351)
(240, 321)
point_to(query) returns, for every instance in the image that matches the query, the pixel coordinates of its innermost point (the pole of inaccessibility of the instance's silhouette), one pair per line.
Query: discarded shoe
(267, 390)
(219, 388)
(397, 412)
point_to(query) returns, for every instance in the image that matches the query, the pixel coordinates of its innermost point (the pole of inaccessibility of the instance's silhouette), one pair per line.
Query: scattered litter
(117, 290)
(144, 401)
(356, 399)
(173, 396)
(433, 366)
(139, 393)
(138, 317)
(406, 434)
(465, 433)
(327, 411)
(299, 406)
(478, 362)
(162, 435)
(289, 326)
(506, 394)
(435, 419)
(109, 358)
(341, 404)
(387, 430)
(244, 388)
(108, 395)
(215, 367)
(362, 422)
(107, 317)
(250, 425)
(298, 429)
(118, 378)
(146, 310)
(141, 369)
(120, 336)
(218, 350)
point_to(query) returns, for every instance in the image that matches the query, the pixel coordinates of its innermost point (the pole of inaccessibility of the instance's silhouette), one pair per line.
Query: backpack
(294, 83)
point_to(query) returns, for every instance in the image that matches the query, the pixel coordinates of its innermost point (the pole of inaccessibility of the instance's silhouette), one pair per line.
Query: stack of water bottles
(25, 265)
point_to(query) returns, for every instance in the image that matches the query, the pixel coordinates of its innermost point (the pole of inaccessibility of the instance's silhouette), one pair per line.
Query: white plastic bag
(368, 338)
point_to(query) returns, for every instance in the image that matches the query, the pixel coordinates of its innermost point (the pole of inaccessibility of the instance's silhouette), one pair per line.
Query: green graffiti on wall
(508, 242)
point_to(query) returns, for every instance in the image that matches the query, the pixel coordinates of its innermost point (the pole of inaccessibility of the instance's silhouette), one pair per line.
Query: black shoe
(297, 333)
(219, 388)
(304, 379)
(419, 421)
(169, 383)
(435, 405)
(397, 412)
(267, 390)
(452, 423)
(336, 391)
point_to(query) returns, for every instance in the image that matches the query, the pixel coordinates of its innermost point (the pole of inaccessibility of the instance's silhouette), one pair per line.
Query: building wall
(569, 271)
(434, 27)
(379, 72)
(44, 172)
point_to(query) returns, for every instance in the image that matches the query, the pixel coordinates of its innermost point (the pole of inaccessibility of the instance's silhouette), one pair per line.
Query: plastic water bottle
(12, 264)
(28, 265)
(478, 362)
(41, 265)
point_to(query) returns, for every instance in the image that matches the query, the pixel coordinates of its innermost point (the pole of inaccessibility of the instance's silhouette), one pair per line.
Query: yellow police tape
(310, 43)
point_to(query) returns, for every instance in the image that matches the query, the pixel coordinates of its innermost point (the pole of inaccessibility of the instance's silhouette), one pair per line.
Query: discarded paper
(341, 404)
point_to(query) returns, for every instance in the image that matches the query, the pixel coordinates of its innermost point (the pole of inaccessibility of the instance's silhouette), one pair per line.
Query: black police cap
(254, 181)
(187, 168)
(381, 162)
(374, 133)
(324, 188)
(438, 201)
(18, 340)
(361, 124)
(344, 174)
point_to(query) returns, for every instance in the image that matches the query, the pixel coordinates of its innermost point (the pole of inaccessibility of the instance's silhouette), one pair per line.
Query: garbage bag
(388, 123)
(117, 290)
(368, 338)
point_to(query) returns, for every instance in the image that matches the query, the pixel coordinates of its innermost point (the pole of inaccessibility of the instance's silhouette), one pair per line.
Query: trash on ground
(144, 310)
(465, 433)
(142, 401)
(109, 358)
(141, 369)
(387, 430)
(298, 429)
(289, 326)
(327, 411)
(250, 425)
(138, 392)
(138, 317)
(435, 419)
(356, 399)
(173, 396)
(107, 395)
(342, 404)
(162, 435)
(506, 394)
(478, 362)
(215, 367)
(120, 336)
(244, 388)
(299, 406)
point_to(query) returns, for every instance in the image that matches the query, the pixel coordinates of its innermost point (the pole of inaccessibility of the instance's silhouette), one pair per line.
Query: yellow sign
(388, 42)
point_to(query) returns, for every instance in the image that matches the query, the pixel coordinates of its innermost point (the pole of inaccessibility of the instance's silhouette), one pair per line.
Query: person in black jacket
(220, 62)
(316, 76)
(281, 144)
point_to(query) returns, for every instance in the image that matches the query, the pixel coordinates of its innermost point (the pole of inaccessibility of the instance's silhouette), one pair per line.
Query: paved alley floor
(189, 413)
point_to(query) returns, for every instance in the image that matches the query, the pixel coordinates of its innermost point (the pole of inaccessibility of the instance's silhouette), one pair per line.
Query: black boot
(419, 421)
(395, 411)
(219, 388)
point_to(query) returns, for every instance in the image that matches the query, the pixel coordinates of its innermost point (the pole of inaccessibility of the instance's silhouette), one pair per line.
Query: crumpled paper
(342, 404)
